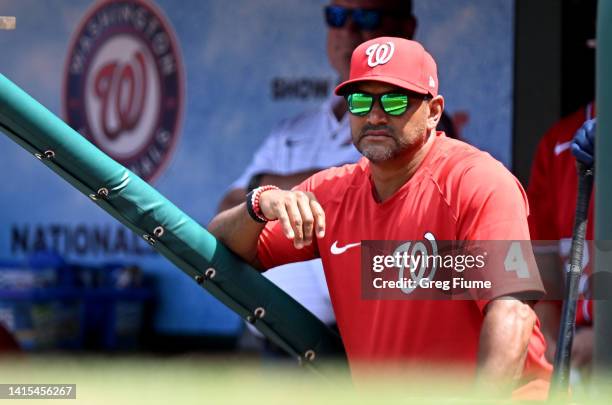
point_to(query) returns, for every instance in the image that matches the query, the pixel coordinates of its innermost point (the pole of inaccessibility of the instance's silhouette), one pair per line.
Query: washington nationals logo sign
(123, 86)
(379, 54)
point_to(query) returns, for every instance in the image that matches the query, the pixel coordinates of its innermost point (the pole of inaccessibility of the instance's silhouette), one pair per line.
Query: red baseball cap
(397, 61)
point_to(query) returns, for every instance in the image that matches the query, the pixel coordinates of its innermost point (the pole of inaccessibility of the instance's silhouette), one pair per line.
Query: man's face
(342, 41)
(381, 137)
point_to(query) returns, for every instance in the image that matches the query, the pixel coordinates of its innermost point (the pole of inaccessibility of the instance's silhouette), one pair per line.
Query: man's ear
(436, 106)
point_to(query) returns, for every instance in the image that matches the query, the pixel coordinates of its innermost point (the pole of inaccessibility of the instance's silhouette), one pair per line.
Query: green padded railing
(171, 232)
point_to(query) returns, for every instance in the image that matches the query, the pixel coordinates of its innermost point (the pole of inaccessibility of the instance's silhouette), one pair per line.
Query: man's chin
(377, 155)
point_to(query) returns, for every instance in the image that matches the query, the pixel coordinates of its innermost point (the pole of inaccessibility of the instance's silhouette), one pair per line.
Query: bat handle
(560, 380)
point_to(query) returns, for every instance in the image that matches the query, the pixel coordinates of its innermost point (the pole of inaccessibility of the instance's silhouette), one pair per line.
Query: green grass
(219, 380)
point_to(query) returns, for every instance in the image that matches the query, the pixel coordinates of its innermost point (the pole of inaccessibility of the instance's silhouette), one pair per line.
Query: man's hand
(298, 212)
(583, 145)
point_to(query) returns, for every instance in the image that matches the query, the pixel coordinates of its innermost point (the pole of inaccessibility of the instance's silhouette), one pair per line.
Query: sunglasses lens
(335, 16)
(359, 103)
(394, 104)
(367, 20)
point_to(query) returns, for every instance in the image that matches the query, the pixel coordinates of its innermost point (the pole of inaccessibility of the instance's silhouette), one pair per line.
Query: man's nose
(377, 115)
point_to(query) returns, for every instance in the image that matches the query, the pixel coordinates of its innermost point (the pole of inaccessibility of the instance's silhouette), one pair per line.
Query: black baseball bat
(560, 381)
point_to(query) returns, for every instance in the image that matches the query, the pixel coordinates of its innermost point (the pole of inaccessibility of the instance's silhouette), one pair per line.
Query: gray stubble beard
(376, 155)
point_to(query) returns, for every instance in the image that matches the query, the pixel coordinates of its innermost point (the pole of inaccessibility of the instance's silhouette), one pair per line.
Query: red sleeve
(541, 197)
(492, 204)
(274, 249)
(492, 214)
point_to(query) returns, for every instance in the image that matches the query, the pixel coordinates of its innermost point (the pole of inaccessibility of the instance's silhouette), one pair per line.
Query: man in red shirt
(413, 184)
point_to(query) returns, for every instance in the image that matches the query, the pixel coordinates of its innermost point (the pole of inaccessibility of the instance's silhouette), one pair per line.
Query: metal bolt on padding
(48, 154)
(158, 231)
(310, 355)
(102, 193)
(210, 273)
(257, 314)
(149, 239)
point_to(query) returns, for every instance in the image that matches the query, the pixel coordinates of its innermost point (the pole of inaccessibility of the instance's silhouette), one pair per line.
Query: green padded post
(603, 187)
(172, 233)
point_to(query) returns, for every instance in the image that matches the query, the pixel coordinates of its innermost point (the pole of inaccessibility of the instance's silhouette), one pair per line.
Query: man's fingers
(582, 156)
(283, 217)
(299, 214)
(319, 218)
(307, 217)
(296, 220)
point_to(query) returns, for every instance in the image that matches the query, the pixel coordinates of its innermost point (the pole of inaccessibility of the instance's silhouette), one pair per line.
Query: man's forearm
(300, 215)
(504, 340)
(236, 229)
(231, 199)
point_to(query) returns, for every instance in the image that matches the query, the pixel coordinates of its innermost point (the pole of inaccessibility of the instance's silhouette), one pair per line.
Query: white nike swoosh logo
(339, 250)
(561, 147)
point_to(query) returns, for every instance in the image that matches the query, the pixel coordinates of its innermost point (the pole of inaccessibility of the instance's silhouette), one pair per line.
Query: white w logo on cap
(379, 54)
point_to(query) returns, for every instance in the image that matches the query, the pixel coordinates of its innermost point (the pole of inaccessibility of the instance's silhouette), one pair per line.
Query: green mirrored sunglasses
(392, 103)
